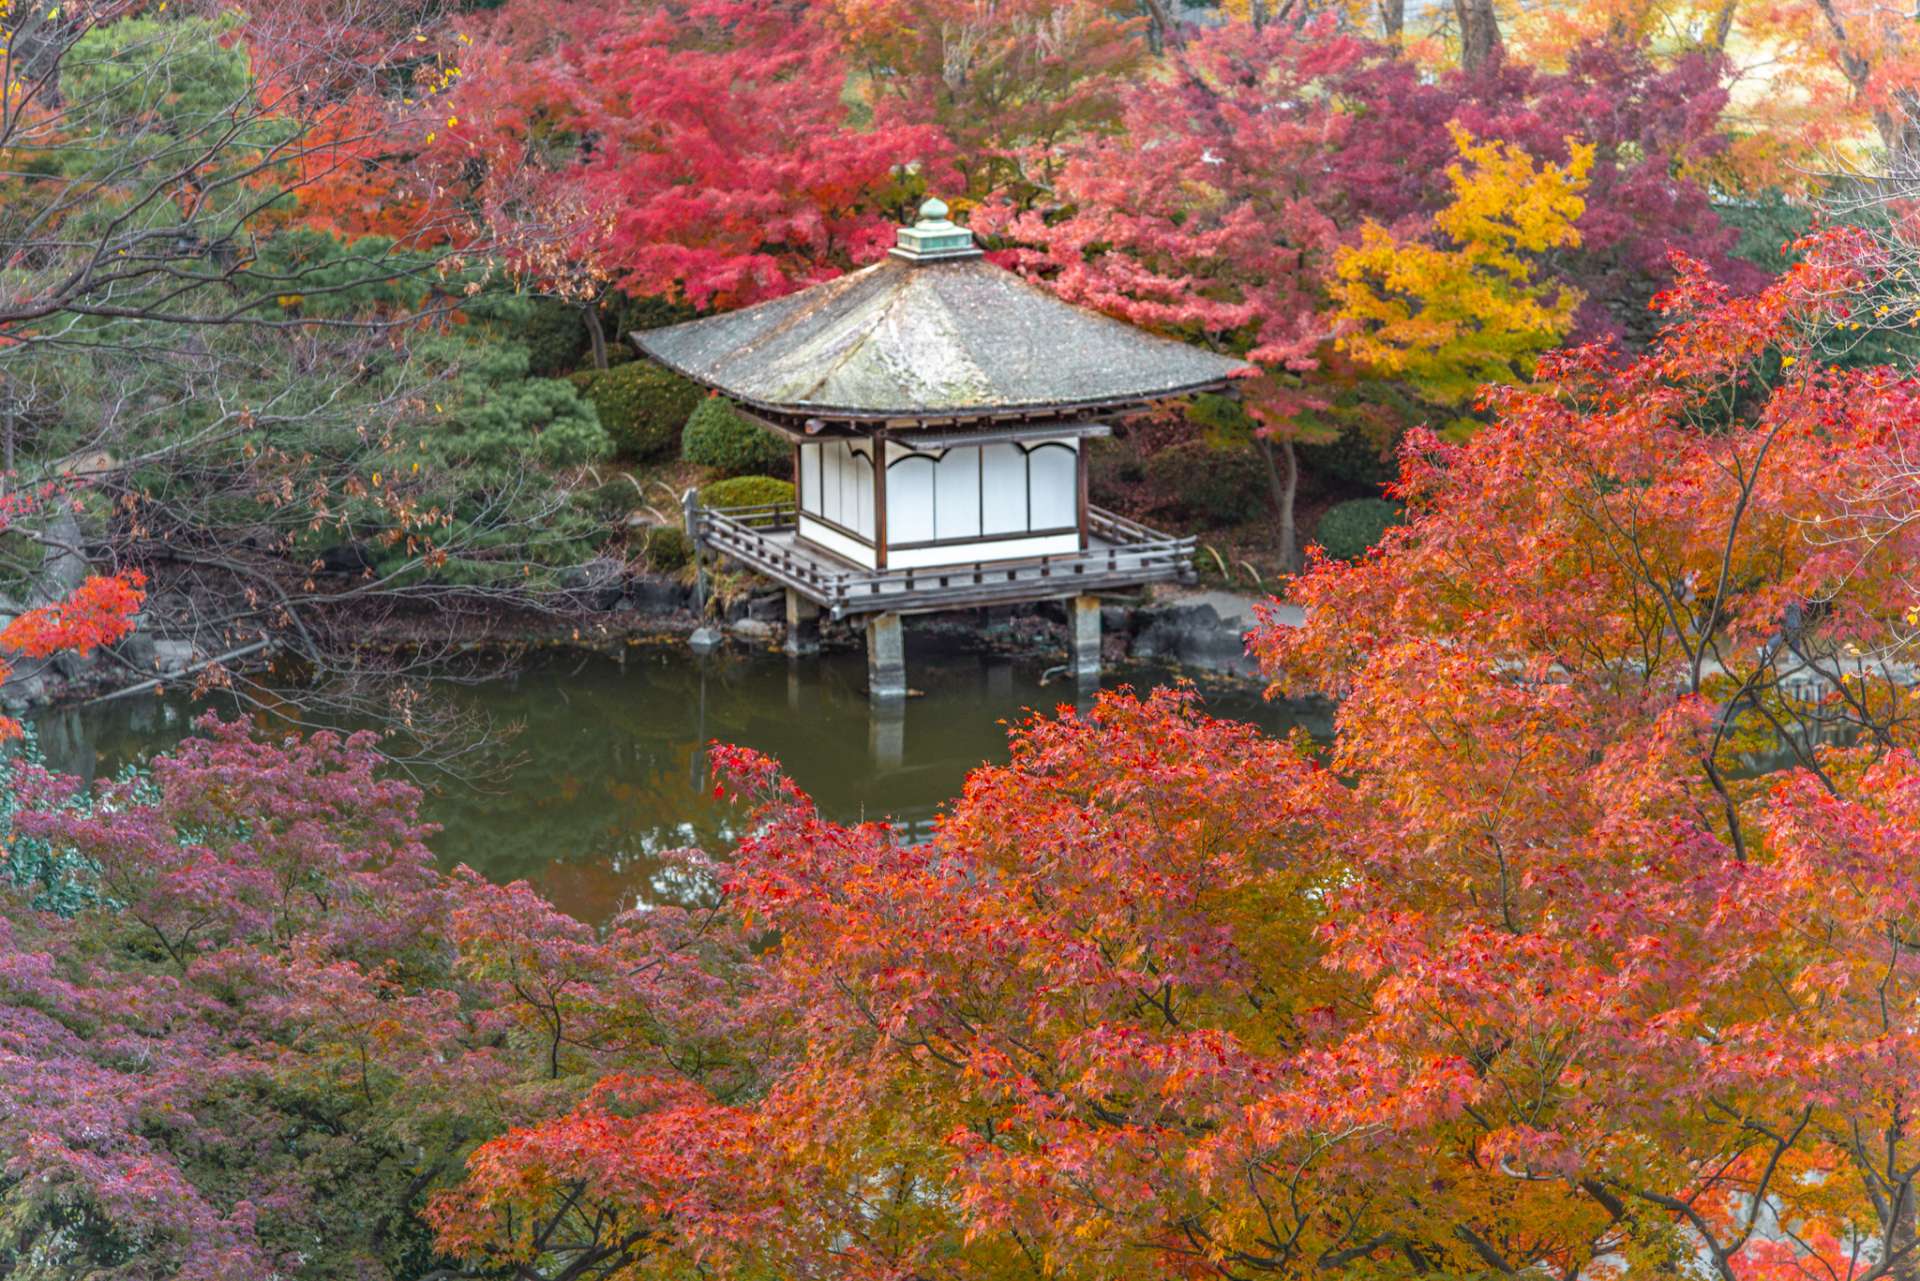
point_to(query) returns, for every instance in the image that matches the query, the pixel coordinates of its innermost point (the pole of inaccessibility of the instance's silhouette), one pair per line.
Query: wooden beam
(880, 498)
(1080, 490)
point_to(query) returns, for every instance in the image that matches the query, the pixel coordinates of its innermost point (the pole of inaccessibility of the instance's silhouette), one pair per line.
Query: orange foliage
(98, 612)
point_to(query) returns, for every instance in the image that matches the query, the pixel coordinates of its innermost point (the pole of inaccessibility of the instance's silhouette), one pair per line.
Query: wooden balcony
(1120, 554)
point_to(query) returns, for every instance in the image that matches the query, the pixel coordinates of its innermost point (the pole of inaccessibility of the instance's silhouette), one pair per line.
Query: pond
(608, 764)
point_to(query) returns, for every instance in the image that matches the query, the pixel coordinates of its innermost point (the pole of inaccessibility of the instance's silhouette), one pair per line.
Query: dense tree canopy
(1537, 977)
(1586, 948)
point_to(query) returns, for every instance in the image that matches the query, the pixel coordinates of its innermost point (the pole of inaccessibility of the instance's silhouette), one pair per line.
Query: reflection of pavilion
(939, 409)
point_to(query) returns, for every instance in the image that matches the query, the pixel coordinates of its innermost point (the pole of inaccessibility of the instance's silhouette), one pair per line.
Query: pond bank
(610, 606)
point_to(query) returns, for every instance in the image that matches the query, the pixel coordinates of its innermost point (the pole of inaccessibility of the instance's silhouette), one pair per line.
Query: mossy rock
(1348, 529)
(717, 436)
(642, 407)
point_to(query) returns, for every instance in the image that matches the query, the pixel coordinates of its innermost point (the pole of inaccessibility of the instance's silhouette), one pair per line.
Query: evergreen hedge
(1348, 529)
(746, 491)
(717, 436)
(642, 407)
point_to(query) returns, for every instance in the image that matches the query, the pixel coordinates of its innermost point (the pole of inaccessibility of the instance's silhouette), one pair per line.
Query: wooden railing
(763, 538)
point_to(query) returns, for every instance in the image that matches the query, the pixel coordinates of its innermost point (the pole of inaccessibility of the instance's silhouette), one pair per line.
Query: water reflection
(612, 768)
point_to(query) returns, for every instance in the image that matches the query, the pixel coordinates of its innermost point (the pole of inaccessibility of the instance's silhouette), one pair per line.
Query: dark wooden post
(1080, 487)
(880, 498)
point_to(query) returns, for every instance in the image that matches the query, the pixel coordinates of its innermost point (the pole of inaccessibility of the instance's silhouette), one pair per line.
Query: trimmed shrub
(717, 436)
(746, 491)
(667, 549)
(1220, 486)
(642, 407)
(1348, 529)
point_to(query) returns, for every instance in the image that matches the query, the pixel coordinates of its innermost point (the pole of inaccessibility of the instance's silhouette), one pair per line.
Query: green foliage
(319, 275)
(667, 549)
(178, 73)
(626, 315)
(1348, 529)
(1768, 224)
(642, 407)
(609, 502)
(498, 419)
(1768, 227)
(1353, 457)
(56, 879)
(746, 491)
(718, 436)
(1223, 486)
(556, 337)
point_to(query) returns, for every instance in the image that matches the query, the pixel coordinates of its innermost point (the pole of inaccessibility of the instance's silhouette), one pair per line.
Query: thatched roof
(935, 340)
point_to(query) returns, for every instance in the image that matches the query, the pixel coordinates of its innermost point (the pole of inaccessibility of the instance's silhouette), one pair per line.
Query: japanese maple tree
(98, 612)
(1254, 167)
(1541, 976)
(1454, 317)
(698, 152)
(1007, 85)
(246, 1026)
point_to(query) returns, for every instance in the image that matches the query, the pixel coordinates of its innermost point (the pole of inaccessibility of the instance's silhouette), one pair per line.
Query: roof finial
(933, 237)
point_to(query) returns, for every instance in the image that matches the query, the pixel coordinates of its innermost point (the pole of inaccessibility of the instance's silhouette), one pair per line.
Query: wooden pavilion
(939, 409)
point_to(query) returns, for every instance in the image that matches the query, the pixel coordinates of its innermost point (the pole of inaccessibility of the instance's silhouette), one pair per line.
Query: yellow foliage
(1449, 316)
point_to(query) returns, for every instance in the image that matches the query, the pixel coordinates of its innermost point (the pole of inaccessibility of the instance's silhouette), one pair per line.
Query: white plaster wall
(1053, 482)
(994, 549)
(809, 495)
(910, 485)
(845, 483)
(957, 505)
(836, 542)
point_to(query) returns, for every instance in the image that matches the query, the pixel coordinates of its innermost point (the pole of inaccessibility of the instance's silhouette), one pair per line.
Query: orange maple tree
(98, 612)
(1542, 971)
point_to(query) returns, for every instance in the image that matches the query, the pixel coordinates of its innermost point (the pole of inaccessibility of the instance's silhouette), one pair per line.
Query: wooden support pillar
(1083, 639)
(1080, 503)
(880, 499)
(803, 625)
(886, 658)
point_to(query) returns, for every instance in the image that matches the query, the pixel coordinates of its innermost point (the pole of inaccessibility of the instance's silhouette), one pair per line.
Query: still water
(605, 760)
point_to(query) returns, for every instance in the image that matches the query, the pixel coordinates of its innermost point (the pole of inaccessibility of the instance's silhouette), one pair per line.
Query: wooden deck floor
(1122, 554)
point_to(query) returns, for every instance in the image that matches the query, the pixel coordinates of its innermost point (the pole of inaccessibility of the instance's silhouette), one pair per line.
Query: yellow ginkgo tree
(1463, 305)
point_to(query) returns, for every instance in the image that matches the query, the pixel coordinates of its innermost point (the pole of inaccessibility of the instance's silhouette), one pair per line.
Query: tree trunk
(1479, 33)
(1393, 19)
(590, 312)
(1165, 27)
(1258, 13)
(1722, 26)
(1283, 487)
(1896, 124)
